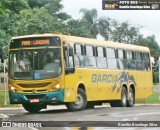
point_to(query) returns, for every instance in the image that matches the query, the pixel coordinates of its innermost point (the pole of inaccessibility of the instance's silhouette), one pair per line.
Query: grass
(153, 99)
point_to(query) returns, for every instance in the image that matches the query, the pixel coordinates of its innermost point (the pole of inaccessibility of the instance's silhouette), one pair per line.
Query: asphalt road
(99, 114)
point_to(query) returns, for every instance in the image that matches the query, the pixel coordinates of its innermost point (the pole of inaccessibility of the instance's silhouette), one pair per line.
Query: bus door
(70, 82)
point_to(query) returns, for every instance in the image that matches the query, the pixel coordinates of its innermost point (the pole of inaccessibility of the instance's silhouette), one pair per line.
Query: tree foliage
(13, 5)
(35, 21)
(77, 28)
(150, 41)
(23, 17)
(90, 17)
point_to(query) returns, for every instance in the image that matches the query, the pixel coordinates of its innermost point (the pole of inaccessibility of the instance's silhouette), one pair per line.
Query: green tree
(150, 41)
(54, 7)
(37, 20)
(13, 5)
(90, 17)
(77, 28)
(105, 27)
(115, 31)
(9, 11)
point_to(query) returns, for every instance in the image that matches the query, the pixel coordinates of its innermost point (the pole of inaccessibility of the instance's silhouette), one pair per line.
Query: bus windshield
(35, 64)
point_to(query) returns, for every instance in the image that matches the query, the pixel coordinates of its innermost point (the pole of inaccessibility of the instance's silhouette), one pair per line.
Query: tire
(32, 108)
(81, 102)
(122, 102)
(131, 98)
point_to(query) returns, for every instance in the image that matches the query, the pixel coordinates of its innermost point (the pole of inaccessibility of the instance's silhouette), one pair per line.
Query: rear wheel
(33, 108)
(122, 102)
(131, 98)
(81, 102)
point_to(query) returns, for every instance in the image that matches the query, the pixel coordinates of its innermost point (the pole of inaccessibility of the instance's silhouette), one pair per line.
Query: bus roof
(89, 41)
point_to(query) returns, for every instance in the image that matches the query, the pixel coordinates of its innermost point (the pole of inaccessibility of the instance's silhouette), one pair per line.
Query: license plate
(34, 100)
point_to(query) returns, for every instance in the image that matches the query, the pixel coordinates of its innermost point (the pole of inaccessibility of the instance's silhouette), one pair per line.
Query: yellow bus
(79, 72)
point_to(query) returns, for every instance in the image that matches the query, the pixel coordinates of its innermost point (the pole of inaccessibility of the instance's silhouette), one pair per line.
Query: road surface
(97, 115)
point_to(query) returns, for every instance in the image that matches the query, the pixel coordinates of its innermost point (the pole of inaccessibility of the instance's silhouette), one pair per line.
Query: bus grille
(31, 91)
(37, 85)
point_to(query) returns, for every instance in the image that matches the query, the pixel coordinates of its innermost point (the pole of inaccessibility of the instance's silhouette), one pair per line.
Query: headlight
(56, 87)
(12, 88)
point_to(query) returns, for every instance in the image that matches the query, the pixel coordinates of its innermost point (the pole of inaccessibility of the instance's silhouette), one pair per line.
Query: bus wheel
(81, 102)
(32, 108)
(131, 98)
(122, 102)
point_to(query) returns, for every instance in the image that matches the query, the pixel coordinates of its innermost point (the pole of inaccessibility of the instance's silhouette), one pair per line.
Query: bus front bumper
(20, 98)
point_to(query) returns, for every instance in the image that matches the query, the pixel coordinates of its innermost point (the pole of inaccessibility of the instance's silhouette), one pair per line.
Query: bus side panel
(70, 88)
(108, 84)
(144, 84)
(90, 82)
(81, 76)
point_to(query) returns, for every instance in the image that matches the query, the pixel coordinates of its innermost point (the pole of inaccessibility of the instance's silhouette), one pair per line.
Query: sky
(149, 20)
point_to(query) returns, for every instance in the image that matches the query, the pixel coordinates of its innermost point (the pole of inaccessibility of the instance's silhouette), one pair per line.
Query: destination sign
(35, 42)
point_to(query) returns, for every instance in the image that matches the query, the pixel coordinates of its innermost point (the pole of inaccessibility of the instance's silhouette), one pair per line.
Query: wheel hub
(130, 97)
(79, 100)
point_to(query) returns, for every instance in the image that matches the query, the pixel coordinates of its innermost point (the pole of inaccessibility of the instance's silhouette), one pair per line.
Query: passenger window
(90, 60)
(101, 58)
(111, 58)
(130, 62)
(79, 55)
(146, 61)
(121, 61)
(139, 61)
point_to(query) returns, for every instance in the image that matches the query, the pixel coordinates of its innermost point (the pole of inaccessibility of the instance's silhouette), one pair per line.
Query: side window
(111, 58)
(79, 55)
(146, 61)
(90, 60)
(121, 62)
(68, 57)
(130, 62)
(101, 58)
(139, 61)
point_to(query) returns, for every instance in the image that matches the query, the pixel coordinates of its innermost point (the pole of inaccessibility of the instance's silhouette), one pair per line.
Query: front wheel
(81, 102)
(32, 108)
